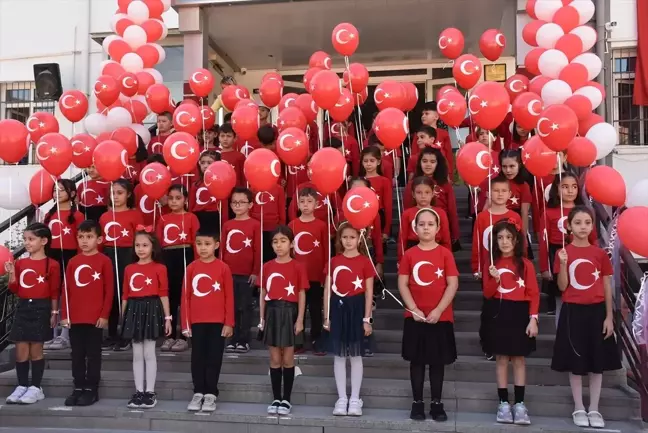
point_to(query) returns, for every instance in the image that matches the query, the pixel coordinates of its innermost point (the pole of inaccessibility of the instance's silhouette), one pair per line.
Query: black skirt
(503, 328)
(346, 333)
(32, 321)
(580, 347)
(428, 343)
(143, 319)
(279, 327)
(551, 287)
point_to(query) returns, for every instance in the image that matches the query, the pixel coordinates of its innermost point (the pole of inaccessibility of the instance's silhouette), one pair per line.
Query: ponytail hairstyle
(518, 249)
(216, 156)
(70, 189)
(554, 192)
(156, 249)
(287, 232)
(440, 174)
(362, 246)
(517, 155)
(371, 151)
(41, 230)
(130, 196)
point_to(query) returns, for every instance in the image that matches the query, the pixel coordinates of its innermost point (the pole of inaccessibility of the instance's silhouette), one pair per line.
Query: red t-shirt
(586, 267)
(64, 233)
(383, 188)
(539, 199)
(321, 209)
(89, 293)
(119, 227)
(236, 160)
(520, 194)
(442, 143)
(387, 164)
(311, 246)
(93, 193)
(240, 246)
(295, 175)
(273, 203)
(245, 147)
(34, 281)
(428, 271)
(407, 230)
(480, 258)
(207, 294)
(177, 229)
(201, 200)
(513, 286)
(349, 275)
(156, 143)
(150, 209)
(145, 280)
(444, 198)
(283, 281)
(351, 152)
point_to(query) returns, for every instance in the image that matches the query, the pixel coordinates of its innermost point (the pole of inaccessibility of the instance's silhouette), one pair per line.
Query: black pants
(551, 287)
(315, 303)
(175, 259)
(417, 379)
(124, 258)
(268, 252)
(93, 212)
(209, 220)
(243, 307)
(207, 347)
(85, 340)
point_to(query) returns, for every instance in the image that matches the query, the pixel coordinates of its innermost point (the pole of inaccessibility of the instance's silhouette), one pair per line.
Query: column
(193, 25)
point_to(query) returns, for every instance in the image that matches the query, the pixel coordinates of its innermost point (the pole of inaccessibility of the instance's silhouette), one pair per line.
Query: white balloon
(161, 52)
(13, 194)
(555, 92)
(96, 123)
(106, 42)
(548, 34)
(546, 9)
(592, 62)
(551, 62)
(118, 117)
(134, 35)
(592, 93)
(604, 137)
(165, 31)
(138, 12)
(142, 131)
(585, 10)
(132, 62)
(167, 5)
(155, 74)
(587, 35)
(638, 195)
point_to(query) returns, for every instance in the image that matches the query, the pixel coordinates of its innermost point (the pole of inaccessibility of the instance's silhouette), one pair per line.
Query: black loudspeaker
(47, 77)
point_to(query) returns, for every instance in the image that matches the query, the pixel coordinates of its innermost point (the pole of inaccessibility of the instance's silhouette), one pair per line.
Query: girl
(205, 206)
(585, 343)
(509, 319)
(428, 293)
(36, 282)
(150, 208)
(146, 315)
(518, 137)
(371, 169)
(63, 221)
(119, 225)
(282, 303)
(177, 231)
(433, 165)
(541, 186)
(93, 194)
(348, 298)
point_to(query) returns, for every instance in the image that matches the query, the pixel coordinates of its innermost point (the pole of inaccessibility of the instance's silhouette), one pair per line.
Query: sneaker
(122, 346)
(317, 349)
(59, 343)
(367, 353)
(274, 407)
(437, 413)
(209, 405)
(180, 345)
(355, 407)
(32, 395)
(551, 313)
(521, 414)
(418, 411)
(341, 406)
(107, 344)
(136, 400)
(149, 400)
(284, 408)
(47, 344)
(73, 399)
(489, 356)
(230, 348)
(88, 398)
(14, 398)
(167, 345)
(196, 403)
(242, 348)
(504, 414)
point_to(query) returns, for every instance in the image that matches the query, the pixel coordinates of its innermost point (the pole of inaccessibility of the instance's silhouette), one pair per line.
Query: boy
(164, 129)
(151, 211)
(207, 316)
(425, 137)
(241, 239)
(85, 308)
(321, 208)
(226, 139)
(93, 195)
(430, 117)
(312, 249)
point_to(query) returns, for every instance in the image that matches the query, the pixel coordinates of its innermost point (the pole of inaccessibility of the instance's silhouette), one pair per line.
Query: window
(631, 120)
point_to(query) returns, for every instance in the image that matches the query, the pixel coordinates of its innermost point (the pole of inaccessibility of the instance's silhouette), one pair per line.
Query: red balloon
(308, 107)
(54, 152)
(606, 185)
(343, 109)
(74, 105)
(308, 77)
(581, 152)
(5, 257)
(473, 163)
(411, 96)
(575, 75)
(557, 126)
(144, 82)
(127, 138)
(113, 69)
(538, 158)
(41, 186)
(531, 60)
(360, 207)
(325, 88)
(220, 179)
(232, 95)
(155, 7)
(446, 89)
(138, 110)
(104, 136)
(571, 45)
(155, 179)
(391, 127)
(581, 105)
(345, 39)
(467, 71)
(14, 140)
(123, 5)
(452, 109)
(390, 94)
(537, 83)
(530, 9)
(246, 103)
(489, 104)
(292, 146)
(274, 76)
(208, 117)
(110, 159)
(328, 168)
(591, 120)
(40, 124)
(516, 85)
(83, 146)
(181, 152)
(527, 109)
(530, 31)
(106, 89)
(149, 54)
(154, 29)
(202, 83)
(451, 43)
(187, 118)
(128, 84)
(633, 230)
(492, 44)
(356, 77)
(121, 24)
(245, 121)
(288, 100)
(270, 92)
(118, 48)
(292, 117)
(262, 169)
(361, 97)
(567, 17)
(320, 59)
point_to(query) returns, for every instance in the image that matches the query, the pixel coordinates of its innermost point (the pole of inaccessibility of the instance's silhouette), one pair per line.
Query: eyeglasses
(239, 203)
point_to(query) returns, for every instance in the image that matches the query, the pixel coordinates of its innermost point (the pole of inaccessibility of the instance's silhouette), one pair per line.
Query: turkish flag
(641, 72)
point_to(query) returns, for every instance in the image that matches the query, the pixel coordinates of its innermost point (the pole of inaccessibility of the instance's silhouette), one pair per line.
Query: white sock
(138, 366)
(65, 333)
(151, 364)
(356, 376)
(339, 371)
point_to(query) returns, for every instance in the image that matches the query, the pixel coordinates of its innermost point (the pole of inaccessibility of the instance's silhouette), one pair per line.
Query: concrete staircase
(469, 392)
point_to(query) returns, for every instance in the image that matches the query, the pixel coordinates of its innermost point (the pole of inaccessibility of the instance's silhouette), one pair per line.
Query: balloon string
(475, 198)
(112, 195)
(203, 124)
(184, 260)
(562, 210)
(328, 269)
(10, 213)
(65, 285)
(398, 201)
(84, 182)
(261, 249)
(357, 102)
(490, 210)
(545, 235)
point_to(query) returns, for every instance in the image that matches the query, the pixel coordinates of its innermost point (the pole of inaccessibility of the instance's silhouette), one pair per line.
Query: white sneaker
(209, 405)
(47, 344)
(355, 407)
(341, 406)
(59, 343)
(196, 402)
(32, 395)
(14, 398)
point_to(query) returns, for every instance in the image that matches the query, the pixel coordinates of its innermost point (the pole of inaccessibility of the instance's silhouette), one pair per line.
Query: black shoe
(136, 400)
(73, 399)
(437, 412)
(107, 344)
(88, 398)
(456, 246)
(489, 356)
(149, 400)
(122, 345)
(551, 313)
(418, 411)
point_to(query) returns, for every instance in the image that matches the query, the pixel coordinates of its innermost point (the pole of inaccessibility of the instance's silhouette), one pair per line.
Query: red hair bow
(514, 223)
(143, 228)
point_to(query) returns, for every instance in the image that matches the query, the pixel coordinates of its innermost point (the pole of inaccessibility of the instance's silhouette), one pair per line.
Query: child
(387, 160)
(282, 306)
(313, 253)
(119, 225)
(241, 251)
(85, 308)
(36, 282)
(425, 137)
(206, 207)
(295, 175)
(322, 211)
(177, 231)
(428, 293)
(348, 299)
(541, 187)
(146, 315)
(510, 162)
(226, 138)
(430, 117)
(150, 209)
(509, 319)
(267, 136)
(208, 318)
(371, 169)
(94, 195)
(270, 211)
(585, 343)
(164, 130)
(518, 136)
